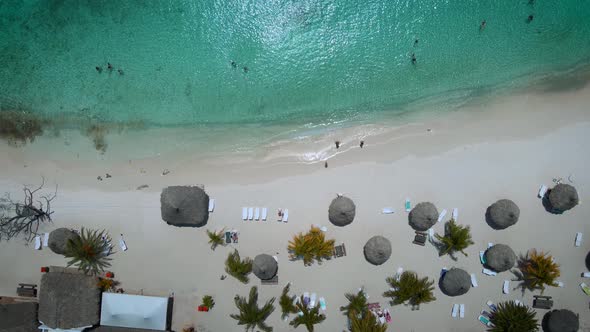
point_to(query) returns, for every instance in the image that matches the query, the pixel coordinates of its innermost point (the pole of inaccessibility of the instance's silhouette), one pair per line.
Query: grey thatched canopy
(18, 317)
(561, 321)
(502, 214)
(341, 211)
(68, 299)
(500, 257)
(265, 266)
(455, 282)
(563, 197)
(377, 250)
(423, 216)
(184, 206)
(58, 239)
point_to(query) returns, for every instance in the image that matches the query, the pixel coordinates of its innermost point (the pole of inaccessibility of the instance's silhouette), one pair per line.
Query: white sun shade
(134, 311)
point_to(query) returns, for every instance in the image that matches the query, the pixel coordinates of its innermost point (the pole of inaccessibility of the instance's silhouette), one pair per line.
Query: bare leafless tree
(24, 218)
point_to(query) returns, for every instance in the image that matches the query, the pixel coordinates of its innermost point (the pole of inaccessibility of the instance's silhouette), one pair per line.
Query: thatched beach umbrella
(184, 206)
(377, 250)
(563, 197)
(423, 216)
(455, 282)
(265, 266)
(502, 214)
(58, 239)
(341, 211)
(500, 258)
(561, 321)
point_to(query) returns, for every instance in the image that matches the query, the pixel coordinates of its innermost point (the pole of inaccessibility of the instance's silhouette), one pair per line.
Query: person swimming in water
(109, 66)
(246, 69)
(530, 18)
(120, 71)
(98, 69)
(234, 64)
(415, 42)
(483, 25)
(414, 61)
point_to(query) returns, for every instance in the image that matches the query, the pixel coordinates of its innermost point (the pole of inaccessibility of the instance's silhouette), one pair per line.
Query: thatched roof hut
(184, 206)
(58, 239)
(423, 216)
(265, 266)
(562, 197)
(455, 282)
(502, 214)
(19, 317)
(500, 258)
(68, 299)
(561, 321)
(377, 250)
(341, 211)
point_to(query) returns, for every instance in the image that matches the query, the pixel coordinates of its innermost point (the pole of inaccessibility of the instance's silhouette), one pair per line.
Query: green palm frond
(456, 239)
(237, 267)
(356, 302)
(208, 301)
(250, 314)
(537, 271)
(512, 317)
(366, 322)
(286, 302)
(308, 317)
(89, 251)
(311, 246)
(215, 238)
(411, 289)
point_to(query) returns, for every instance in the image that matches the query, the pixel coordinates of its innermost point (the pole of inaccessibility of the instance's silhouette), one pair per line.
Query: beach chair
(506, 287)
(431, 234)
(312, 300)
(122, 243)
(339, 251)
(257, 214)
(442, 214)
(585, 274)
(462, 311)
(250, 213)
(420, 238)
(489, 272)
(211, 204)
(323, 304)
(517, 302)
(387, 210)
(491, 305)
(272, 281)
(264, 213)
(408, 205)
(473, 280)
(482, 256)
(585, 288)
(490, 244)
(486, 314)
(285, 215)
(26, 290)
(578, 241)
(542, 191)
(542, 302)
(485, 321)
(560, 283)
(37, 242)
(443, 271)
(398, 273)
(306, 298)
(455, 310)
(46, 239)
(228, 237)
(244, 213)
(455, 213)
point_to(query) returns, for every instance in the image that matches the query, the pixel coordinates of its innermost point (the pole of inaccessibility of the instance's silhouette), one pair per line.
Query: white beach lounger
(517, 302)
(312, 300)
(489, 272)
(579, 237)
(455, 310)
(408, 205)
(305, 296)
(473, 280)
(542, 191)
(560, 283)
(443, 271)
(462, 311)
(506, 287)
(431, 234)
(46, 239)
(211, 204)
(37, 242)
(490, 244)
(442, 214)
(257, 214)
(585, 274)
(276, 258)
(285, 215)
(481, 256)
(122, 243)
(455, 213)
(492, 305)
(387, 210)
(250, 213)
(398, 273)
(264, 213)
(244, 213)
(322, 303)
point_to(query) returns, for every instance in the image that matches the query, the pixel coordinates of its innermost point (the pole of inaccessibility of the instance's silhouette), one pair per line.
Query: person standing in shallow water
(414, 61)
(530, 18)
(483, 25)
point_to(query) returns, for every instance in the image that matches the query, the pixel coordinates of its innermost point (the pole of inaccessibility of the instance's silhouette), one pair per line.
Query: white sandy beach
(468, 160)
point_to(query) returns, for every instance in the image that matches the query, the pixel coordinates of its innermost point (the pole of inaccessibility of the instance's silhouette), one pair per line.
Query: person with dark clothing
(362, 144)
(337, 144)
(234, 64)
(416, 42)
(98, 69)
(109, 66)
(530, 18)
(483, 25)
(414, 59)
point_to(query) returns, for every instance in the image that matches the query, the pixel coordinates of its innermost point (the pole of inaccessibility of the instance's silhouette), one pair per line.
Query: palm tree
(311, 246)
(307, 316)
(250, 314)
(537, 270)
(456, 239)
(237, 267)
(366, 322)
(208, 301)
(89, 251)
(356, 303)
(513, 317)
(286, 302)
(215, 238)
(409, 288)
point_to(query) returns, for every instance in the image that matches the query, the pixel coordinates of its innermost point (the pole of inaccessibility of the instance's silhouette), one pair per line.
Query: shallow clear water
(309, 62)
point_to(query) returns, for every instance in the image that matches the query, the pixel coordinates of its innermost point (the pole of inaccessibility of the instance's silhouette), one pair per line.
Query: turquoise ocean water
(310, 62)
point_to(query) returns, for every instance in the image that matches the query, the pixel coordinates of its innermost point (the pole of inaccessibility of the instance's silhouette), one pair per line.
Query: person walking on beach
(362, 144)
(337, 144)
(326, 164)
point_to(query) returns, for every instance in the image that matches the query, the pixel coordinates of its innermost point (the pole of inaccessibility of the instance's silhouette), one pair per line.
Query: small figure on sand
(98, 69)
(99, 178)
(108, 176)
(234, 64)
(362, 144)
(530, 18)
(337, 144)
(120, 71)
(223, 276)
(109, 66)
(482, 25)
(246, 69)
(280, 213)
(326, 164)
(414, 58)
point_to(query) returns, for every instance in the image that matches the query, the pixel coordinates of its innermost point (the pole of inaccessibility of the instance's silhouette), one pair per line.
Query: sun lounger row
(458, 309)
(251, 213)
(311, 301)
